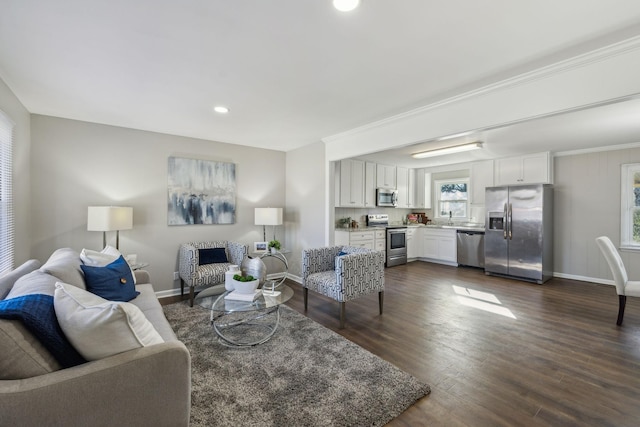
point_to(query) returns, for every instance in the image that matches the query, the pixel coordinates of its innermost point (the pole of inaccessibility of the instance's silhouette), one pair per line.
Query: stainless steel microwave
(387, 197)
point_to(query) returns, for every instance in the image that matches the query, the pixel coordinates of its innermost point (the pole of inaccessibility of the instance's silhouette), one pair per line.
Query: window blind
(6, 194)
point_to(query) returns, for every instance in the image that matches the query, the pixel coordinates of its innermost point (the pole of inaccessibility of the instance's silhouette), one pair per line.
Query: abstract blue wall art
(201, 192)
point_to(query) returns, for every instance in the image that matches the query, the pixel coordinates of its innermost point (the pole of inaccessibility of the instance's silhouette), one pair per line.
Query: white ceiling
(293, 72)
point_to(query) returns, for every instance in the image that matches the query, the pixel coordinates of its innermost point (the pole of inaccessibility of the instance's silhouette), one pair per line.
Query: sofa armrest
(145, 386)
(142, 277)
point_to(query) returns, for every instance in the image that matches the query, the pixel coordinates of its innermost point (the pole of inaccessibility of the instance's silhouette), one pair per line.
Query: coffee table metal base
(246, 328)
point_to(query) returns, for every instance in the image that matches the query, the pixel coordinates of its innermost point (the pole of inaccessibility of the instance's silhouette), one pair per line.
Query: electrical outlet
(176, 276)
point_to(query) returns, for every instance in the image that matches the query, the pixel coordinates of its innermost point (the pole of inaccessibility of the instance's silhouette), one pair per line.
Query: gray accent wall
(586, 206)
(78, 164)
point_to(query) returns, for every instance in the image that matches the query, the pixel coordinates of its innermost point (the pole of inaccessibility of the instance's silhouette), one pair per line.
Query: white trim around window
(630, 206)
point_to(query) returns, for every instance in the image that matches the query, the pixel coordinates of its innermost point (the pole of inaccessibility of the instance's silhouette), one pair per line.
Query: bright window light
(482, 301)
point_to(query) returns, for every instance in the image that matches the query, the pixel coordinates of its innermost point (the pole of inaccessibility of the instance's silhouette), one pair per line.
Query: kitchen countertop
(471, 226)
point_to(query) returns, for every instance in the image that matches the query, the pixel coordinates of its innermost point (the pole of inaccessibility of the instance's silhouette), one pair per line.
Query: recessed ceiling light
(345, 5)
(221, 109)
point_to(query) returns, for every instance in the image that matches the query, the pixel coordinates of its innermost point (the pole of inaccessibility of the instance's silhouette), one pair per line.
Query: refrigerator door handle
(505, 224)
(510, 221)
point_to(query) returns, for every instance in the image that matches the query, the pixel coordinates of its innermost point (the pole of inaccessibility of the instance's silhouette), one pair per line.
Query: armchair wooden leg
(191, 295)
(181, 287)
(380, 300)
(342, 314)
(623, 302)
(305, 292)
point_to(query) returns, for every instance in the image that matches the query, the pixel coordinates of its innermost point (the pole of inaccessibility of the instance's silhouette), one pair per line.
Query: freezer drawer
(471, 248)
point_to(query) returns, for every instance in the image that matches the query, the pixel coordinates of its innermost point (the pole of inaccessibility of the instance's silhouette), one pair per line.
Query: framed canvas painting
(201, 192)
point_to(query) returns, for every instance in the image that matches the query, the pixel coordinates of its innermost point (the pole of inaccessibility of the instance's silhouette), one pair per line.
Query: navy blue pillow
(113, 282)
(38, 315)
(212, 256)
(343, 253)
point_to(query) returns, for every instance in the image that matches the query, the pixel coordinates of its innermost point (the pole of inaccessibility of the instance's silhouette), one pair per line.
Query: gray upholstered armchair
(345, 277)
(193, 272)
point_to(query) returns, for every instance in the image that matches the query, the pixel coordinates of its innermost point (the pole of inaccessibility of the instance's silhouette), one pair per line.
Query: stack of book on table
(237, 296)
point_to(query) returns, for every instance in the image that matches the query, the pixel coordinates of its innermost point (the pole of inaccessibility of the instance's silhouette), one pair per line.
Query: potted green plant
(274, 245)
(245, 284)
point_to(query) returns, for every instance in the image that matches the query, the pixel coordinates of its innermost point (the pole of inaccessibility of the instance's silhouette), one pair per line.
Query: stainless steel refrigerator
(518, 238)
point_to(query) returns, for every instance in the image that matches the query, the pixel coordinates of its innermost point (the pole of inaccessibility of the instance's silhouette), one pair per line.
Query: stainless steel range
(396, 239)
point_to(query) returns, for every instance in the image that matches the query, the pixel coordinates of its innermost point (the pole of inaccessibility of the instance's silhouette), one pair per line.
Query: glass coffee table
(244, 323)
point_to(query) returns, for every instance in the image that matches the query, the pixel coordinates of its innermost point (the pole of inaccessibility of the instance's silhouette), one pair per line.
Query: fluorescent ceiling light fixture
(448, 150)
(345, 5)
(221, 109)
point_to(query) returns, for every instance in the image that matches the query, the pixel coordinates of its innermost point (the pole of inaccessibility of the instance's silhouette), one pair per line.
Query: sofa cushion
(22, 355)
(37, 314)
(7, 281)
(98, 328)
(64, 264)
(102, 258)
(212, 256)
(148, 303)
(35, 282)
(113, 282)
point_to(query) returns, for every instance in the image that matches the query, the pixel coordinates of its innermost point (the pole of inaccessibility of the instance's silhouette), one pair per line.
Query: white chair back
(615, 263)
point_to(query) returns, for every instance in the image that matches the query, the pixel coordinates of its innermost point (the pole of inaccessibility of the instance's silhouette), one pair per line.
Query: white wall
(78, 164)
(13, 108)
(307, 202)
(586, 206)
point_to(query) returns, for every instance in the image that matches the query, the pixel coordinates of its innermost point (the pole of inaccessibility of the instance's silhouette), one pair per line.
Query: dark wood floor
(499, 352)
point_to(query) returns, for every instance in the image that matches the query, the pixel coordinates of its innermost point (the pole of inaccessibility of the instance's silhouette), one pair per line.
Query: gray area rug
(306, 375)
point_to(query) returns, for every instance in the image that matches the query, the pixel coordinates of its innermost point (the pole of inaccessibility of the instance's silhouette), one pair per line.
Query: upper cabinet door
(481, 177)
(369, 184)
(402, 183)
(386, 176)
(352, 183)
(423, 189)
(529, 169)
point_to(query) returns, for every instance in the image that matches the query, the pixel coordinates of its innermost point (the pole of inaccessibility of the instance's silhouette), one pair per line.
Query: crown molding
(560, 67)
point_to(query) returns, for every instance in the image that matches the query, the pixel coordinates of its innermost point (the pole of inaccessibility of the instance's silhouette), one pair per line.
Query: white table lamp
(268, 216)
(109, 218)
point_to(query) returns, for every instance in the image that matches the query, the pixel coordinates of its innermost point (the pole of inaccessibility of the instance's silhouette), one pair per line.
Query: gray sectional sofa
(146, 386)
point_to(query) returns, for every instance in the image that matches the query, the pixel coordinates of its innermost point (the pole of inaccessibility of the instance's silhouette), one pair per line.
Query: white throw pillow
(102, 258)
(98, 328)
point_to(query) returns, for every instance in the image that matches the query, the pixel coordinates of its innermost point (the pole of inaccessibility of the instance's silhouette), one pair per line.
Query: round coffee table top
(266, 299)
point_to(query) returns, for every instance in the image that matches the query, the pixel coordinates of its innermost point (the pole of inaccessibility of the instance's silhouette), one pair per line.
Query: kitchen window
(452, 196)
(630, 209)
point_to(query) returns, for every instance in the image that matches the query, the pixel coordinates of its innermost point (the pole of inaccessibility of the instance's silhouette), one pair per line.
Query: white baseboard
(583, 278)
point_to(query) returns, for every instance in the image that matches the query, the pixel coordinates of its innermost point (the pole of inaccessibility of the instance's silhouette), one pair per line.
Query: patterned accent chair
(193, 274)
(343, 277)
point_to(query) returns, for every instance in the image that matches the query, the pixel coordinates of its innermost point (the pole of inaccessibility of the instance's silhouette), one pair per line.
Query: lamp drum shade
(109, 218)
(268, 216)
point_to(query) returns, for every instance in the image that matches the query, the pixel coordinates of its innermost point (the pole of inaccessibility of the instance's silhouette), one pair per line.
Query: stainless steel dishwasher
(471, 248)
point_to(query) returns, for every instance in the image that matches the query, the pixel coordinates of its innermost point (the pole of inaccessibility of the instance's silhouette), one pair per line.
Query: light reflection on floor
(481, 300)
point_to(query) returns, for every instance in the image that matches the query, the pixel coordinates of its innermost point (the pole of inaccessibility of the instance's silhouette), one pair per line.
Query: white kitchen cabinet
(355, 237)
(369, 185)
(439, 245)
(413, 243)
(481, 177)
(423, 189)
(386, 176)
(411, 188)
(529, 169)
(352, 183)
(380, 237)
(402, 185)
